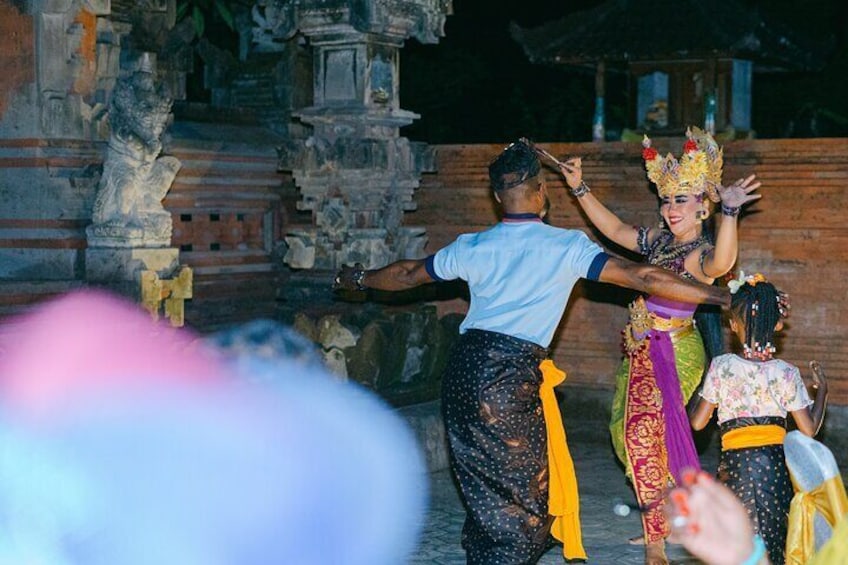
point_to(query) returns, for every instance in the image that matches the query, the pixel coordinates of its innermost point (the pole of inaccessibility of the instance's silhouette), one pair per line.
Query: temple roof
(631, 30)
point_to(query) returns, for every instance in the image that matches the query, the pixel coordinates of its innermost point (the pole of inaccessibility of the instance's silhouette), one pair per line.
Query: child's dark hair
(761, 306)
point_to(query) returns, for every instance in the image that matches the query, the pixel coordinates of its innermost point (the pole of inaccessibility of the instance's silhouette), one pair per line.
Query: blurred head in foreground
(126, 442)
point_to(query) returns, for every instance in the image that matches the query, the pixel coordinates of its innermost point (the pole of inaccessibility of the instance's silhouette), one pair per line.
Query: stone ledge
(425, 419)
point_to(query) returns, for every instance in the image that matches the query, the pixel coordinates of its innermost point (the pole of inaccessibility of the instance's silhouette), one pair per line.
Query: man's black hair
(517, 163)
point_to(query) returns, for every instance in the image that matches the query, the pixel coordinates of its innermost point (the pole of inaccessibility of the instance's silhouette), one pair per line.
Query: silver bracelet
(359, 279)
(731, 211)
(581, 189)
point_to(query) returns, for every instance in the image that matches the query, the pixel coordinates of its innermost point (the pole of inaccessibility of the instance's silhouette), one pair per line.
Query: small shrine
(686, 62)
(356, 174)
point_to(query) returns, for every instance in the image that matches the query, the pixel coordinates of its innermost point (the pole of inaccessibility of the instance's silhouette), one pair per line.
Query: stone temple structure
(355, 173)
(85, 96)
(246, 202)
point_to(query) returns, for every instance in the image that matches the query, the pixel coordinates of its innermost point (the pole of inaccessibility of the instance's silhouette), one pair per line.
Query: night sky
(476, 85)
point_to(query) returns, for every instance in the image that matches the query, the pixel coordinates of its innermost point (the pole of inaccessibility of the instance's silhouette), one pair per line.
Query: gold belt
(678, 334)
(643, 321)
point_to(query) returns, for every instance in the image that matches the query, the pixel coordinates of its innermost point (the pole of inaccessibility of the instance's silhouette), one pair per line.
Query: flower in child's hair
(755, 278)
(736, 283)
(690, 146)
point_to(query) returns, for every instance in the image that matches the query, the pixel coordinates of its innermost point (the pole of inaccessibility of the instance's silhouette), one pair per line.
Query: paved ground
(601, 484)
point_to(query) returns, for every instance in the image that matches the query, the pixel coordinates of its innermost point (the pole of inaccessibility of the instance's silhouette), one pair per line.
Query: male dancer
(520, 273)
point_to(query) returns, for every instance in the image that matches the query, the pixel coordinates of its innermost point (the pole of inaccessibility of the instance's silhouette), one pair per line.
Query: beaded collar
(663, 252)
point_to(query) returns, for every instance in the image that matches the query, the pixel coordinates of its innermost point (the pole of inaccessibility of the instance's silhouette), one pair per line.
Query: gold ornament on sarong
(642, 321)
(637, 329)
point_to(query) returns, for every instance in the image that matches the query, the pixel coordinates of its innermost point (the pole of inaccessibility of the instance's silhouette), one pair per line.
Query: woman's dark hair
(707, 316)
(761, 306)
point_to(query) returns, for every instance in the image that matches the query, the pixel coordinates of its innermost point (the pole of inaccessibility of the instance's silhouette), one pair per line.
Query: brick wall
(17, 58)
(230, 206)
(226, 207)
(796, 234)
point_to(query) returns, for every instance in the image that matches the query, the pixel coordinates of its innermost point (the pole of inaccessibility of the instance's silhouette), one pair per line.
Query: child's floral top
(742, 388)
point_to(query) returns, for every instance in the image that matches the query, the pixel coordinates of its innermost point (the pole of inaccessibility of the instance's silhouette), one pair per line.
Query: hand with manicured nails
(710, 521)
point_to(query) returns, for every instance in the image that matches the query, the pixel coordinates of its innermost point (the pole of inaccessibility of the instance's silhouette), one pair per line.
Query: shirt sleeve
(446, 264)
(711, 383)
(792, 392)
(587, 258)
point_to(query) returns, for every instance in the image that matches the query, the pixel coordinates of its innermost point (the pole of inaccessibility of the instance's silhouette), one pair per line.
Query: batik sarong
(649, 427)
(759, 477)
(496, 431)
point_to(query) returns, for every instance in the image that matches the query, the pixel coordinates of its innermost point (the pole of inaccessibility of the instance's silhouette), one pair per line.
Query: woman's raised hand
(740, 192)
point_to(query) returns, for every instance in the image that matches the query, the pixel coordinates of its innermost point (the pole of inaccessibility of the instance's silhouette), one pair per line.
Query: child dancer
(753, 393)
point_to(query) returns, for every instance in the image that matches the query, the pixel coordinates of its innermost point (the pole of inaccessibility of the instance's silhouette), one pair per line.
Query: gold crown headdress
(699, 168)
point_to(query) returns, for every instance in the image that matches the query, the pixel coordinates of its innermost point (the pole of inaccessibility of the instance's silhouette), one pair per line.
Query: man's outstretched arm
(400, 275)
(660, 282)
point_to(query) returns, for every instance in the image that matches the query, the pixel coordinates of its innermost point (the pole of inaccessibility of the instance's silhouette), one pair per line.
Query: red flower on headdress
(649, 153)
(690, 146)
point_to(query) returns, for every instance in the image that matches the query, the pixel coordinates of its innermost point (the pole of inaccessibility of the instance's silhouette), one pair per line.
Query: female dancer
(650, 430)
(753, 394)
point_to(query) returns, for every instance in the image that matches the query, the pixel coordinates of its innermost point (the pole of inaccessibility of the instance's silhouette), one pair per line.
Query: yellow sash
(563, 499)
(836, 549)
(829, 500)
(753, 436)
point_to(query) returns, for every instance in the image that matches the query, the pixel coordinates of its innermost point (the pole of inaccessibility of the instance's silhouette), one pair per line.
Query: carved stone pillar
(355, 173)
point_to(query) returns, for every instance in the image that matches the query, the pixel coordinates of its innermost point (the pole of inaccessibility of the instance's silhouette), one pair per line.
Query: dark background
(476, 84)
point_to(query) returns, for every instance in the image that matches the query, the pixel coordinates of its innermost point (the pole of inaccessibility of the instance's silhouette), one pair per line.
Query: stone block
(36, 192)
(426, 422)
(367, 361)
(39, 264)
(98, 7)
(305, 326)
(301, 250)
(335, 361)
(339, 77)
(55, 6)
(108, 61)
(54, 72)
(104, 265)
(332, 333)
(16, 52)
(399, 352)
(20, 114)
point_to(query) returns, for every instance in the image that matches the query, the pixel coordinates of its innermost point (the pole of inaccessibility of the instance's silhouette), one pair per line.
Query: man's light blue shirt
(520, 275)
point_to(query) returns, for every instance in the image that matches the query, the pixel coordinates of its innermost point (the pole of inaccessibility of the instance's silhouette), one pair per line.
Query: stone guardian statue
(128, 208)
